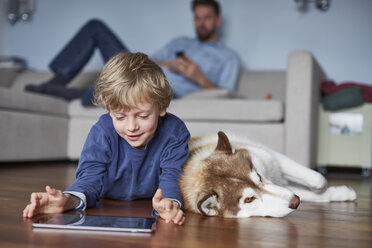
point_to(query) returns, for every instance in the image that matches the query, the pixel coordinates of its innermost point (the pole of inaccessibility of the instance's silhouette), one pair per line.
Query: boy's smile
(134, 137)
(137, 125)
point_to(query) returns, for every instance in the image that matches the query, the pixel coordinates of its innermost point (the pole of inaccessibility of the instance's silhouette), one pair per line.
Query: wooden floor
(345, 224)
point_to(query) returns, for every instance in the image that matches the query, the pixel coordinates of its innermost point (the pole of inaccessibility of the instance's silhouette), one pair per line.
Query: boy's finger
(182, 220)
(29, 211)
(37, 199)
(51, 190)
(158, 196)
(167, 221)
(25, 211)
(34, 199)
(177, 219)
(168, 205)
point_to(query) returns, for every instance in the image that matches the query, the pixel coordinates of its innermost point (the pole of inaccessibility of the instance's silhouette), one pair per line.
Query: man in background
(190, 64)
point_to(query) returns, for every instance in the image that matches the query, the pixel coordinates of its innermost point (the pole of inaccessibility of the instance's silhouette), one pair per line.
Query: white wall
(143, 25)
(3, 27)
(263, 32)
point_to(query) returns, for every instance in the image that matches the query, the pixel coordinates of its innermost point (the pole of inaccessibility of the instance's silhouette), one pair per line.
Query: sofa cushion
(228, 110)
(82, 80)
(31, 102)
(258, 84)
(29, 77)
(204, 109)
(75, 109)
(211, 93)
(7, 75)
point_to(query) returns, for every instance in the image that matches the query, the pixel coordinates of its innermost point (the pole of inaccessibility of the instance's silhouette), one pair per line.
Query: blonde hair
(128, 79)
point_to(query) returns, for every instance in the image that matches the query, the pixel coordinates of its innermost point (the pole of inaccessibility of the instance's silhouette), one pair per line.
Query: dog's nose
(295, 201)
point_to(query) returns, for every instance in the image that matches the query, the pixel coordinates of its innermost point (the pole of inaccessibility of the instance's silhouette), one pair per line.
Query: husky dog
(230, 176)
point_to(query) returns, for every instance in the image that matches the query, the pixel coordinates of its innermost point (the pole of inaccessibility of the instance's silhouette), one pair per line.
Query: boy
(134, 151)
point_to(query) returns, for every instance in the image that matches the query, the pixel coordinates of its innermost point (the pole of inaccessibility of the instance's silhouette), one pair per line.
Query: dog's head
(233, 187)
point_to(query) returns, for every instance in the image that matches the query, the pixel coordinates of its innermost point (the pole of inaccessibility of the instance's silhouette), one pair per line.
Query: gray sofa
(36, 127)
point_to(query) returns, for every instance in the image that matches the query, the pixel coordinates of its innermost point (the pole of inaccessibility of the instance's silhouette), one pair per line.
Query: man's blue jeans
(76, 54)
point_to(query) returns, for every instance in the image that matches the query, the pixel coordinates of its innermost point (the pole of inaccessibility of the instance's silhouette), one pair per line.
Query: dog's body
(234, 177)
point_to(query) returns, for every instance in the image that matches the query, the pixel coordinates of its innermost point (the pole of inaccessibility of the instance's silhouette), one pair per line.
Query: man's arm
(189, 69)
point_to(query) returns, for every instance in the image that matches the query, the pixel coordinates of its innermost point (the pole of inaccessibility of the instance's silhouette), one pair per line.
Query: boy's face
(137, 125)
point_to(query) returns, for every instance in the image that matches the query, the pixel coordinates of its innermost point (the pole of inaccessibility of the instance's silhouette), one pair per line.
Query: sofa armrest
(7, 76)
(304, 76)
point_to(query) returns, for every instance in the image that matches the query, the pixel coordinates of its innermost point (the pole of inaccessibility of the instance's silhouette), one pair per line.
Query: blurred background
(262, 32)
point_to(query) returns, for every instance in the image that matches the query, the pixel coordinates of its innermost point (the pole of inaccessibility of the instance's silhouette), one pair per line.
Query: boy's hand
(167, 208)
(50, 201)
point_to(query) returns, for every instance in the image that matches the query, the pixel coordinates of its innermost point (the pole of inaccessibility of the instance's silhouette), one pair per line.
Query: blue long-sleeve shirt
(109, 167)
(220, 64)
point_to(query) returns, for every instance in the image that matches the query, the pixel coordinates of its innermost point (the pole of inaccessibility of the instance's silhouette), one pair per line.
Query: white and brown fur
(230, 176)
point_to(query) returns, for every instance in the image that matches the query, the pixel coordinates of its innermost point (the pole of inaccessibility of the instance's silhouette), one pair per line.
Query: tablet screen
(96, 222)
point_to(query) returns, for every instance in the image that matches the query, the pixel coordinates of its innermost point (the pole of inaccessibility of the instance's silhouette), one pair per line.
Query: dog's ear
(209, 204)
(223, 144)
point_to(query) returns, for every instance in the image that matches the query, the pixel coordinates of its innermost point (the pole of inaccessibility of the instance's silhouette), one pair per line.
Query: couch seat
(241, 110)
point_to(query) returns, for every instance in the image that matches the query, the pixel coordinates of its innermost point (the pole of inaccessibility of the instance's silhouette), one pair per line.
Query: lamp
(319, 4)
(20, 9)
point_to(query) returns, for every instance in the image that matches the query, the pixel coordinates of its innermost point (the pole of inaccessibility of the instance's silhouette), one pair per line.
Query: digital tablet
(96, 222)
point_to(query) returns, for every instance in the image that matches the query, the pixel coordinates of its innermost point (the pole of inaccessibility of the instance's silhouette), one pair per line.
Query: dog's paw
(318, 183)
(340, 193)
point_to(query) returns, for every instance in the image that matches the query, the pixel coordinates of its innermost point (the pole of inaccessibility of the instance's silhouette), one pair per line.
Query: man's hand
(167, 208)
(185, 66)
(50, 201)
(188, 68)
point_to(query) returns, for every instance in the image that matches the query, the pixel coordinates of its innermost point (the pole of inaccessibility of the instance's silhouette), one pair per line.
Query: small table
(345, 138)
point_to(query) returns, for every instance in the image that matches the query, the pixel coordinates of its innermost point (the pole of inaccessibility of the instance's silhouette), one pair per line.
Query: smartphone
(180, 53)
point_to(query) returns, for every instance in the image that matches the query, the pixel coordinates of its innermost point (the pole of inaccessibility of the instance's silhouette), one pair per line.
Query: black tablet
(96, 222)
